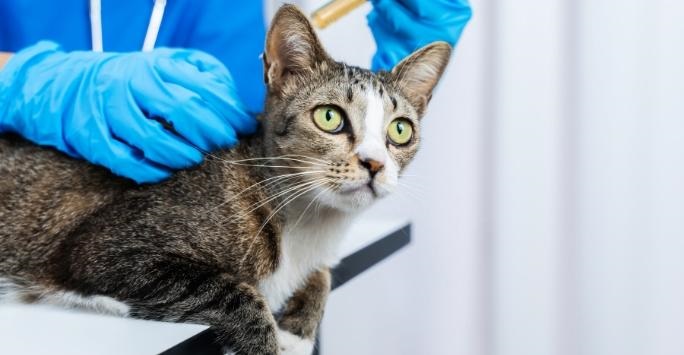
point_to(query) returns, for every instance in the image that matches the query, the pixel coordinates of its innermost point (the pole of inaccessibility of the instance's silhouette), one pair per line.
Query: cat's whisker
(307, 207)
(410, 196)
(417, 189)
(219, 219)
(307, 157)
(267, 159)
(278, 178)
(314, 162)
(271, 197)
(267, 182)
(275, 196)
(274, 166)
(411, 192)
(287, 189)
(403, 183)
(280, 206)
(301, 191)
(278, 194)
(319, 162)
(285, 156)
(261, 184)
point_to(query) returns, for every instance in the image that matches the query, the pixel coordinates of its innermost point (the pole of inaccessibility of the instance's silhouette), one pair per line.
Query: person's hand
(402, 26)
(142, 115)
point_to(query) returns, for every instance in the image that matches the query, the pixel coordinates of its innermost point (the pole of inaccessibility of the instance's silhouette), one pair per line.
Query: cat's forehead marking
(373, 141)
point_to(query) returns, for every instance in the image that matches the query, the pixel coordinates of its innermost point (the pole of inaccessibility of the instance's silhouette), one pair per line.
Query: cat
(242, 243)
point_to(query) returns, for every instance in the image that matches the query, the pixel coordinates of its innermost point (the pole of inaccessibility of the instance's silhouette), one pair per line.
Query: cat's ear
(418, 73)
(292, 47)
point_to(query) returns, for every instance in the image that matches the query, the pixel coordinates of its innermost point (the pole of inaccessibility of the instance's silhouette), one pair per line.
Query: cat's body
(164, 220)
(248, 234)
(79, 234)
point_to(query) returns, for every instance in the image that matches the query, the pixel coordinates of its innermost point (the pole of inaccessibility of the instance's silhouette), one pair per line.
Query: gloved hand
(402, 26)
(107, 107)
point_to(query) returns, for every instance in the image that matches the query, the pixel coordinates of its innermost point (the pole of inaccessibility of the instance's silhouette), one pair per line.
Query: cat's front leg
(236, 311)
(302, 314)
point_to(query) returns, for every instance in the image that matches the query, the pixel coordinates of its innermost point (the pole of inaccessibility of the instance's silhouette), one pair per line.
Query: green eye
(328, 118)
(400, 131)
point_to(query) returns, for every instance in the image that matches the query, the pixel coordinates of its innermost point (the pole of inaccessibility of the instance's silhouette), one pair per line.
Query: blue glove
(402, 26)
(109, 108)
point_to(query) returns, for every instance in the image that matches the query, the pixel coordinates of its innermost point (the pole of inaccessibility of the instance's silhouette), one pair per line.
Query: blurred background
(548, 198)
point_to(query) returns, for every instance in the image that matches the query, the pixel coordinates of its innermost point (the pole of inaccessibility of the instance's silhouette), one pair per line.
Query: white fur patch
(373, 143)
(306, 247)
(99, 304)
(10, 292)
(291, 344)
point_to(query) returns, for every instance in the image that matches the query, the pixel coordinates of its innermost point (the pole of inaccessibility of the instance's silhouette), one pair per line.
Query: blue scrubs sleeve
(232, 31)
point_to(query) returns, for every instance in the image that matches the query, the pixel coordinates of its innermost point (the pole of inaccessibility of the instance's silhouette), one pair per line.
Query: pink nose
(372, 165)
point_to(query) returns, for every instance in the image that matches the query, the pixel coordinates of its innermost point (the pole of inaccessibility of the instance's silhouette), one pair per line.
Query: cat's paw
(291, 344)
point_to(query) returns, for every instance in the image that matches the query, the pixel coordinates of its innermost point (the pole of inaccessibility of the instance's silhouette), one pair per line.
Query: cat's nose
(372, 165)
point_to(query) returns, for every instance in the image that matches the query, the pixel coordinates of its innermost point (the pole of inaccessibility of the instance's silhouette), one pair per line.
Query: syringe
(333, 10)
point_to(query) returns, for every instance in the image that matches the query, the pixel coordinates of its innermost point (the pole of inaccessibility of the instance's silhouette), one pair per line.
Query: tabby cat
(243, 242)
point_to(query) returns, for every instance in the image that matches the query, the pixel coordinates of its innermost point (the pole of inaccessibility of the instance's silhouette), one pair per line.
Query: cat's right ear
(292, 47)
(418, 74)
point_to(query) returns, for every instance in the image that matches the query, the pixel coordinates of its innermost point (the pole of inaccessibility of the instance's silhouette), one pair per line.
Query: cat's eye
(328, 118)
(400, 131)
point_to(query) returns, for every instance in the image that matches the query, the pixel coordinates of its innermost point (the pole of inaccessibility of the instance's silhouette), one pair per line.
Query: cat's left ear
(292, 48)
(418, 73)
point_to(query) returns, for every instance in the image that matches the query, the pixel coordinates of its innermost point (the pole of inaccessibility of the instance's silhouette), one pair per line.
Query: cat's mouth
(368, 186)
(353, 195)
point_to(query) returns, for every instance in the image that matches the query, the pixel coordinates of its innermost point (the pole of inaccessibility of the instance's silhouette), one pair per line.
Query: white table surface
(40, 329)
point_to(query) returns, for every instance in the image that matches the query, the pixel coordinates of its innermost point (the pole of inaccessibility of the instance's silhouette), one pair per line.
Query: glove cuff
(13, 75)
(402, 26)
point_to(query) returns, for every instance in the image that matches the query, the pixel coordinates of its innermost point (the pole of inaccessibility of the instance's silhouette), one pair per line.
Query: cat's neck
(304, 221)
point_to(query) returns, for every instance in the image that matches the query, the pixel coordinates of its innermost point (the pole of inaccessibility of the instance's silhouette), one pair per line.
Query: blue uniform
(232, 31)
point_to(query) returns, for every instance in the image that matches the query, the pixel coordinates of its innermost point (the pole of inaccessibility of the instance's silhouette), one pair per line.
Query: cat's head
(354, 130)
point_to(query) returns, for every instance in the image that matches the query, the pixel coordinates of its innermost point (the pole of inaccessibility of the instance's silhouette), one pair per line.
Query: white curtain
(586, 178)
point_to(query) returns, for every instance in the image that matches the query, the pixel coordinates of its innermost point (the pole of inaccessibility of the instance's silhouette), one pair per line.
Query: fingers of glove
(91, 138)
(199, 122)
(210, 79)
(189, 115)
(203, 61)
(216, 90)
(126, 161)
(157, 144)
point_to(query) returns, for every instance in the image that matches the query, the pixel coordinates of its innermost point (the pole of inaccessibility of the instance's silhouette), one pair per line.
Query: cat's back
(45, 192)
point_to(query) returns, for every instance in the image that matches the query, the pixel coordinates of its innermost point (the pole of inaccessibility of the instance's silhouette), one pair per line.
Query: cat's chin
(350, 200)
